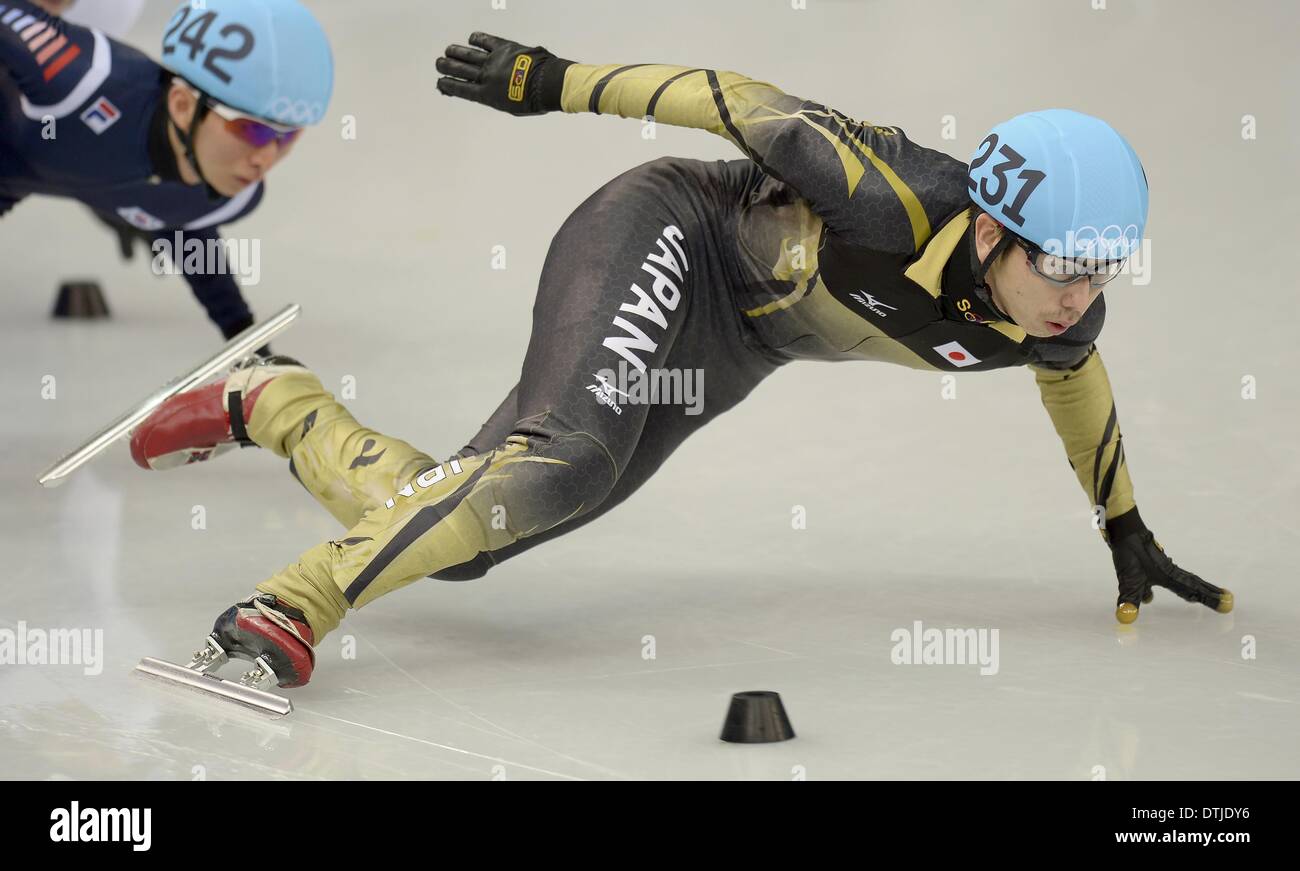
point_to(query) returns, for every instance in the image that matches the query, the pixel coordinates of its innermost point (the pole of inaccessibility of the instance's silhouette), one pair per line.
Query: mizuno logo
(602, 393)
(607, 386)
(873, 305)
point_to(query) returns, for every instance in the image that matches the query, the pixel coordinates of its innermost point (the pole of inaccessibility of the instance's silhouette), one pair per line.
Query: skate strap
(284, 623)
(235, 403)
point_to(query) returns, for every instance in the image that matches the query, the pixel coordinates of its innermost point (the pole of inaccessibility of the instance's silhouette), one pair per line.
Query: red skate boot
(272, 635)
(201, 423)
(263, 630)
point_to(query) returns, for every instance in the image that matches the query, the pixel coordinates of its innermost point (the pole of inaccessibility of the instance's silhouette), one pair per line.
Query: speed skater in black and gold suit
(831, 239)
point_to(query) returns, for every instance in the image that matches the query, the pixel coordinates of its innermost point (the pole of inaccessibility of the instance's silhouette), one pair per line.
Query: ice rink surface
(954, 512)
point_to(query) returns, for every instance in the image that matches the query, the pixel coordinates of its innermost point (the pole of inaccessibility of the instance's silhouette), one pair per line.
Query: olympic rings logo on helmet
(296, 112)
(1087, 242)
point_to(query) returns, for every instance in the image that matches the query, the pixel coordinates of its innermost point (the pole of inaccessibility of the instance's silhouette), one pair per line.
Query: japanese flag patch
(101, 115)
(955, 354)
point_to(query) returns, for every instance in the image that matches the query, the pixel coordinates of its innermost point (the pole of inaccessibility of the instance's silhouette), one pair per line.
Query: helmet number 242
(192, 37)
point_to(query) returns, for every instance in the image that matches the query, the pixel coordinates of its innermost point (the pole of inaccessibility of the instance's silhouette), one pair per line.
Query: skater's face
(1039, 306)
(229, 161)
(1042, 308)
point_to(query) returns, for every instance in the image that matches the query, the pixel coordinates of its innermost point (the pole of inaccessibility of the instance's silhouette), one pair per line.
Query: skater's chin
(233, 186)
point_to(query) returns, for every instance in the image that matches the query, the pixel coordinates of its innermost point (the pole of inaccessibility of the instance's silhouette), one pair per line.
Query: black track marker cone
(756, 717)
(80, 299)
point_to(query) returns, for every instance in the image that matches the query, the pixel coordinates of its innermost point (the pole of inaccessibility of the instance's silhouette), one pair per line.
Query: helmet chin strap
(187, 140)
(980, 269)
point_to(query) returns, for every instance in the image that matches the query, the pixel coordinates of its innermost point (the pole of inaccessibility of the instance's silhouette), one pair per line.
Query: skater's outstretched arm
(216, 289)
(871, 185)
(49, 59)
(1078, 397)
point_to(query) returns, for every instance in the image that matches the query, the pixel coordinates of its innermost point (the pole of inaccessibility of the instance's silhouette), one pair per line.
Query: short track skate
(250, 690)
(236, 349)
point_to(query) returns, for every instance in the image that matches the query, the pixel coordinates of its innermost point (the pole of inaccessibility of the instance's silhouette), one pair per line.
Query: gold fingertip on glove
(1225, 602)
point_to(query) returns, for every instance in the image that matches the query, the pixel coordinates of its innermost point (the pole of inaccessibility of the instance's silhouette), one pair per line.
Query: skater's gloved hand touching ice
(503, 74)
(1141, 563)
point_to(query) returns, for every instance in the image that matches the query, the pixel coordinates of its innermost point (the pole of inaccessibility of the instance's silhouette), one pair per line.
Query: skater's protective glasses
(255, 132)
(1064, 271)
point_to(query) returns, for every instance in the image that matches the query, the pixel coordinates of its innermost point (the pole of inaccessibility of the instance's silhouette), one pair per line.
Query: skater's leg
(567, 450)
(347, 467)
(280, 405)
(446, 516)
(712, 344)
(563, 456)
(494, 431)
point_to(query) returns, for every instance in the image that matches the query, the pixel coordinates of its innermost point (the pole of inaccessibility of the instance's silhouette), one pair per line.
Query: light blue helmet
(1065, 181)
(269, 58)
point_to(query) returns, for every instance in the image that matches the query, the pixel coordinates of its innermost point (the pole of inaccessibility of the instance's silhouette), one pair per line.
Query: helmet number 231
(1031, 178)
(192, 37)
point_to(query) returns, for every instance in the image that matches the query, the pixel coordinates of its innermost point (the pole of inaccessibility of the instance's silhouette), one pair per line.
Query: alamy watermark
(180, 255)
(28, 646)
(922, 646)
(633, 386)
(77, 824)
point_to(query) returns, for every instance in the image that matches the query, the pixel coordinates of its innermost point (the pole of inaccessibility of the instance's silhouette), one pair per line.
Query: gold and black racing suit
(831, 239)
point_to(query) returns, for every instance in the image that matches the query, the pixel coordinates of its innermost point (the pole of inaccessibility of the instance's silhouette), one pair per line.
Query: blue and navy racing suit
(83, 116)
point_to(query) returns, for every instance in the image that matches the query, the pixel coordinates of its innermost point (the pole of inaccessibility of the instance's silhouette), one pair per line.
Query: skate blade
(210, 684)
(235, 350)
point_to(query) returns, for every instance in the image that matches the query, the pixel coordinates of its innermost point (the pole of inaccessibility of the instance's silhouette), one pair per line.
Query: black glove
(507, 76)
(1141, 563)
